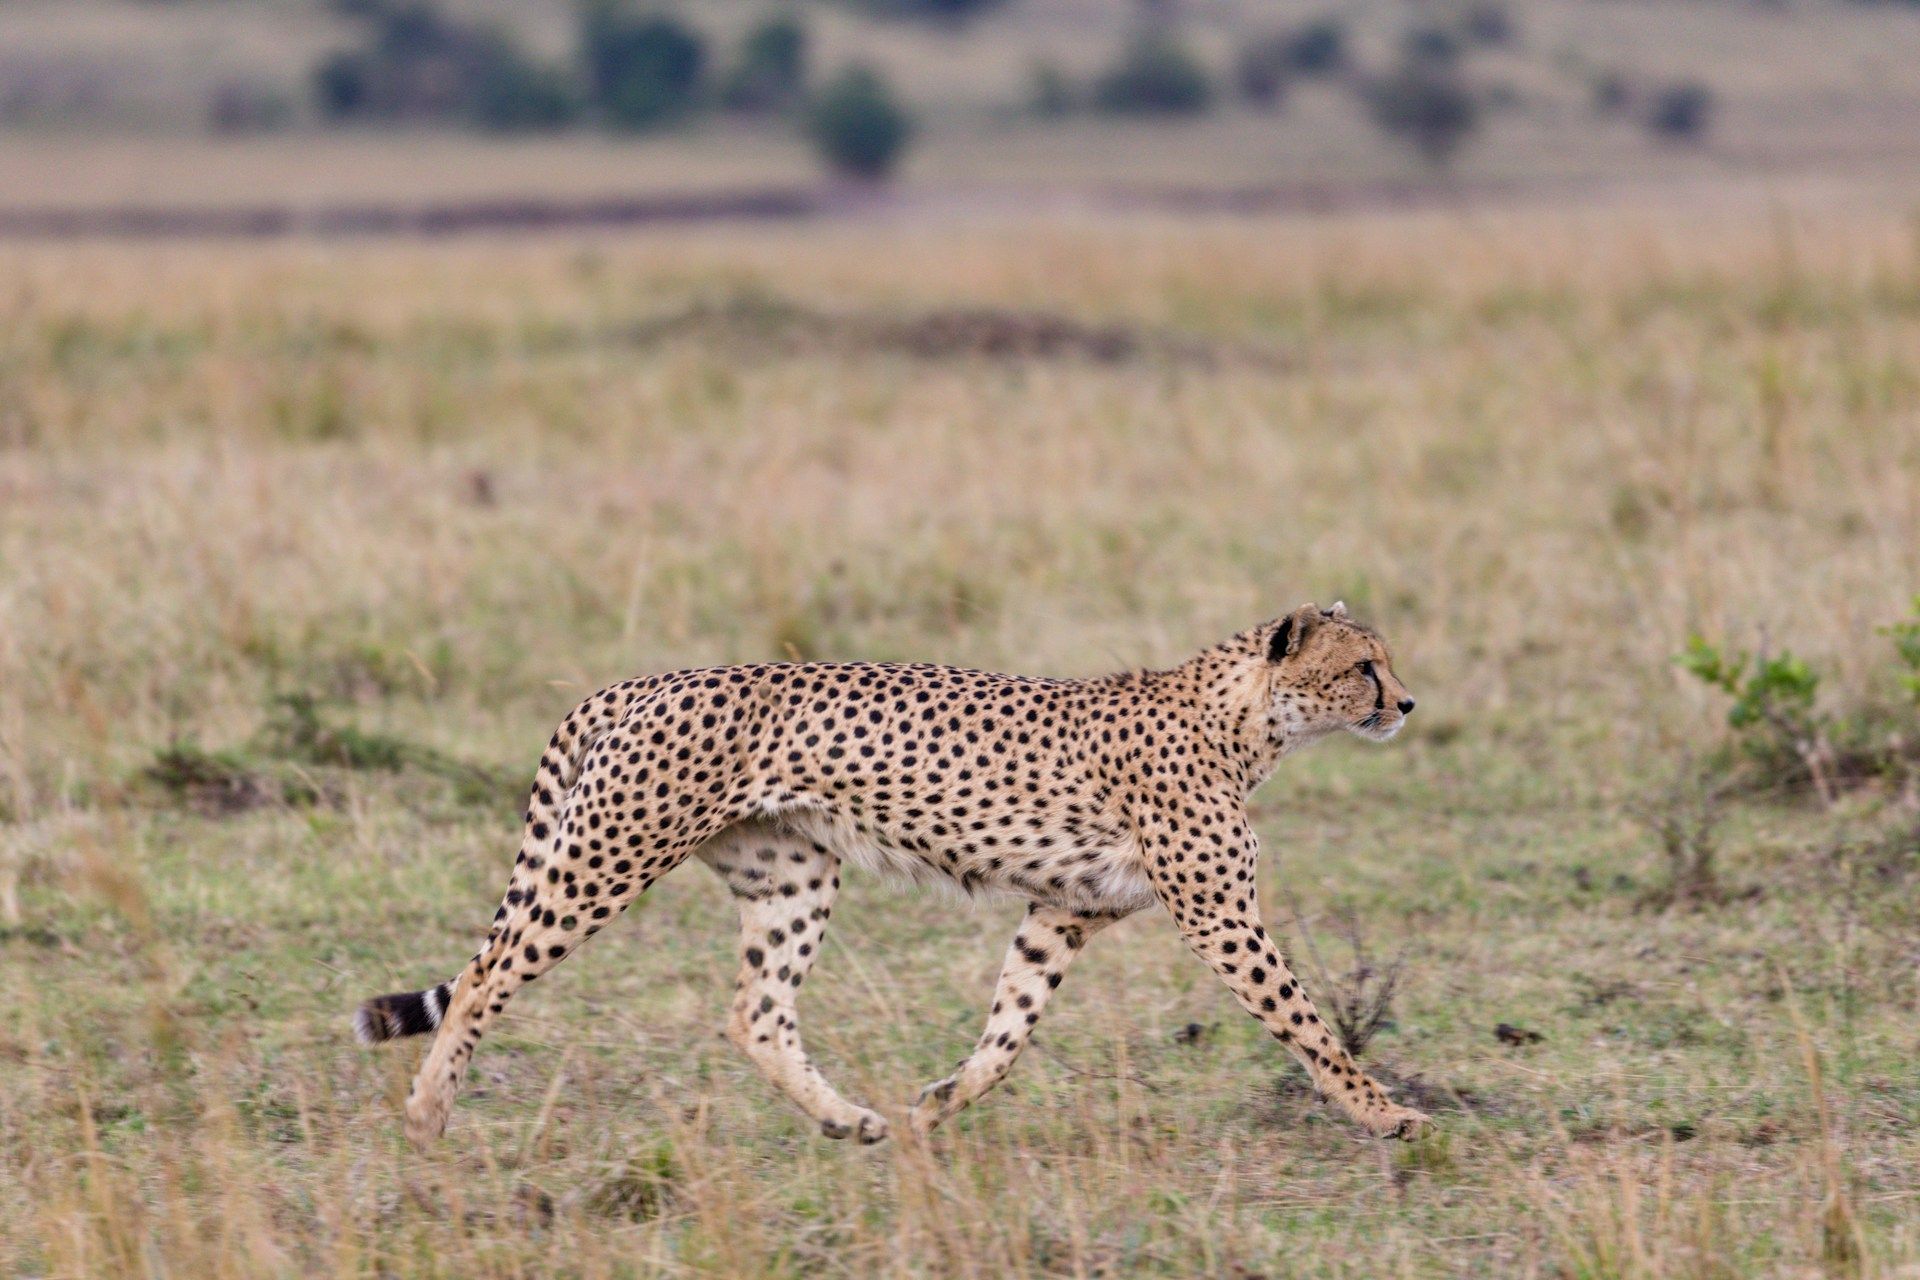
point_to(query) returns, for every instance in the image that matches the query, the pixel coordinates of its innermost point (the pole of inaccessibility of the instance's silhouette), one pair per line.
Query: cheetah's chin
(1374, 730)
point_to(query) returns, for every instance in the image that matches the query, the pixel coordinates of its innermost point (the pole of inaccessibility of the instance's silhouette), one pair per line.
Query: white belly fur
(1118, 885)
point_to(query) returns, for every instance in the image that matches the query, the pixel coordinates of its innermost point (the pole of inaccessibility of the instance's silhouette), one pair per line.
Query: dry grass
(448, 488)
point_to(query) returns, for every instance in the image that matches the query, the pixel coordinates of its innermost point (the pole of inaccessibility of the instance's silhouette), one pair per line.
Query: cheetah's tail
(415, 1013)
(404, 1013)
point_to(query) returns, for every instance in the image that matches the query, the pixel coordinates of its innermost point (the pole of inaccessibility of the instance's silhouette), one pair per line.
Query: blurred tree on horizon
(1429, 105)
(417, 64)
(1157, 73)
(769, 71)
(644, 70)
(858, 124)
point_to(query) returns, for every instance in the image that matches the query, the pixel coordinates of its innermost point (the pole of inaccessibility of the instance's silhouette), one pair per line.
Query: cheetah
(1090, 799)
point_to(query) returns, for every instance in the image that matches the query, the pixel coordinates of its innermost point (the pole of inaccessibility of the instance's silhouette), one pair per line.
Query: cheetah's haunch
(1091, 799)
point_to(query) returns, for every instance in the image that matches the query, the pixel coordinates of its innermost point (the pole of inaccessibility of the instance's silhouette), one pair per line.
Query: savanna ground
(435, 493)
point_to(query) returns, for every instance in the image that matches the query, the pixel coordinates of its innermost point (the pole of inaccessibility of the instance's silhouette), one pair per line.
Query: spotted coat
(1090, 799)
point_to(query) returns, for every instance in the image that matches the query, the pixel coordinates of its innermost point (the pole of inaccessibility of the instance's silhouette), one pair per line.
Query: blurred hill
(212, 101)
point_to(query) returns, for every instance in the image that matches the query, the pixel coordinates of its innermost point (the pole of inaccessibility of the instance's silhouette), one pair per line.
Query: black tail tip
(372, 1022)
(404, 1013)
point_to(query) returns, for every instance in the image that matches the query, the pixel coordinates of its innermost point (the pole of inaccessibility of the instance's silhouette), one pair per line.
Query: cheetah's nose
(1406, 706)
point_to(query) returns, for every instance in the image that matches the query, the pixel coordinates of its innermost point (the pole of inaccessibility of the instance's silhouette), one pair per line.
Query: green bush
(414, 65)
(1779, 727)
(415, 30)
(1611, 93)
(512, 92)
(247, 106)
(1431, 42)
(1773, 714)
(1427, 104)
(1318, 48)
(1775, 693)
(1156, 74)
(342, 85)
(643, 71)
(1905, 635)
(1263, 70)
(1681, 111)
(1489, 23)
(858, 125)
(769, 74)
(951, 13)
(1050, 91)
(419, 65)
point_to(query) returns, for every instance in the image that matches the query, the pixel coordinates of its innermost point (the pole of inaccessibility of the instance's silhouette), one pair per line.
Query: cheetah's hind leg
(607, 852)
(785, 884)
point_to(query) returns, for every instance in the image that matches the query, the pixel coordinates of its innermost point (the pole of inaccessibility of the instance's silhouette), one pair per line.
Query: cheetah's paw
(1403, 1123)
(869, 1126)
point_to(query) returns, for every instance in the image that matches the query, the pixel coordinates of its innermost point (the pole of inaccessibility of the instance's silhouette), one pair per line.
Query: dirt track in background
(773, 204)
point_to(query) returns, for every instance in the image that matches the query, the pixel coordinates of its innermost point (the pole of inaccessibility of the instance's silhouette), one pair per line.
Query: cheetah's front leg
(1208, 885)
(1046, 943)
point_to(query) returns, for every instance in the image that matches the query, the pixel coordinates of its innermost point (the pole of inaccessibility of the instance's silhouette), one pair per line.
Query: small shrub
(247, 106)
(947, 13)
(1685, 820)
(1773, 713)
(419, 65)
(1432, 1156)
(1428, 105)
(1611, 94)
(343, 85)
(1681, 111)
(511, 91)
(1263, 70)
(1156, 74)
(1358, 1002)
(1319, 48)
(1050, 91)
(1780, 729)
(1905, 635)
(1488, 23)
(859, 127)
(643, 72)
(414, 30)
(1502, 95)
(640, 1191)
(296, 731)
(769, 75)
(219, 783)
(1431, 42)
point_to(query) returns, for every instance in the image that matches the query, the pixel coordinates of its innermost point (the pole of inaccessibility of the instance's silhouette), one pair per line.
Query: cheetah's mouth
(1377, 725)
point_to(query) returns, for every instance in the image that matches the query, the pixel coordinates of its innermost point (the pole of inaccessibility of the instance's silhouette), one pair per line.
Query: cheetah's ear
(1292, 632)
(1339, 609)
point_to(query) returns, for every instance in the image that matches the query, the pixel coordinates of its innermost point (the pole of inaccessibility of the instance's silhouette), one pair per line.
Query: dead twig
(1084, 1074)
(1358, 1003)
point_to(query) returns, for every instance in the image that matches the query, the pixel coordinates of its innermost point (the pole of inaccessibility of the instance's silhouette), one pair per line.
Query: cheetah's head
(1330, 673)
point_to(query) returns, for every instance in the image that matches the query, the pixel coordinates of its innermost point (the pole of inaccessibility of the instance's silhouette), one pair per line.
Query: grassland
(446, 489)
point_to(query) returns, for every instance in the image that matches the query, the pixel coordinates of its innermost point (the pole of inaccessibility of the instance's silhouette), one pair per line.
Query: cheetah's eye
(1366, 668)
